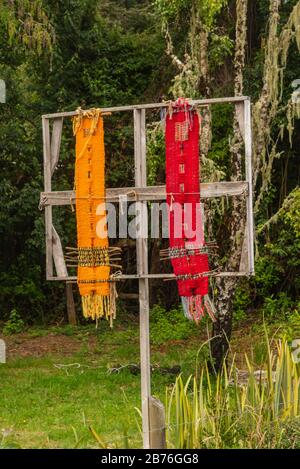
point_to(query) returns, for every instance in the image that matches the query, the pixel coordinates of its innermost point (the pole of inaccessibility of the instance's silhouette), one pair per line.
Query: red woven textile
(183, 191)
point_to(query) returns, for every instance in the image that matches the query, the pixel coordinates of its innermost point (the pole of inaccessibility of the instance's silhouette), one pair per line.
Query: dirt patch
(244, 338)
(23, 345)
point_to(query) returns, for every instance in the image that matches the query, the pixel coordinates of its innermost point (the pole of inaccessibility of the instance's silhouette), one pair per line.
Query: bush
(241, 303)
(14, 325)
(262, 411)
(169, 325)
(277, 307)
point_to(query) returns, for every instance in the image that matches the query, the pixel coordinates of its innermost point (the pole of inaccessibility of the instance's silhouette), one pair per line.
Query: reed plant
(221, 411)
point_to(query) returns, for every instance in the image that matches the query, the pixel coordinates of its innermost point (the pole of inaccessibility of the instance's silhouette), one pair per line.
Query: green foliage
(221, 47)
(291, 327)
(155, 153)
(14, 325)
(279, 307)
(209, 9)
(277, 282)
(169, 325)
(96, 61)
(225, 413)
(291, 217)
(241, 303)
(27, 23)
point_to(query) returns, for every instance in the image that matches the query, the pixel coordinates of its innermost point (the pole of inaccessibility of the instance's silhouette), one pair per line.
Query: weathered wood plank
(153, 276)
(208, 191)
(158, 424)
(244, 262)
(2, 351)
(233, 99)
(47, 187)
(58, 255)
(142, 269)
(55, 142)
(240, 114)
(248, 164)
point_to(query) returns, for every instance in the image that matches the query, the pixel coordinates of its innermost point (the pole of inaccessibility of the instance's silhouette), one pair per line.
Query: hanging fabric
(188, 252)
(94, 255)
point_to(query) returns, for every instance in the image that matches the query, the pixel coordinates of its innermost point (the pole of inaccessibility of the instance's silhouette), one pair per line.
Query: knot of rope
(43, 201)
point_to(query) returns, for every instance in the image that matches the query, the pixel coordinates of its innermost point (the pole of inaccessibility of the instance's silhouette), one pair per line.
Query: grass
(46, 406)
(225, 412)
(50, 401)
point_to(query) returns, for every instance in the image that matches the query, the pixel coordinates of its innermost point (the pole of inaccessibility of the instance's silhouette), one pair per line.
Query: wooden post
(248, 165)
(48, 209)
(142, 269)
(240, 115)
(58, 255)
(2, 351)
(70, 305)
(158, 424)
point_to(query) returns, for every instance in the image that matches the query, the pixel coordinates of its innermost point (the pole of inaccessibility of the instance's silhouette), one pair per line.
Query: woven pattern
(188, 254)
(93, 267)
(93, 257)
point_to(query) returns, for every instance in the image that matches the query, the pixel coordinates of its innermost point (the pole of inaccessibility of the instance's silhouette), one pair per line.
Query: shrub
(14, 325)
(169, 325)
(221, 412)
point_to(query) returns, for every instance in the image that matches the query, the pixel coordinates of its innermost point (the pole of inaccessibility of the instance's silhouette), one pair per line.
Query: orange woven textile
(93, 259)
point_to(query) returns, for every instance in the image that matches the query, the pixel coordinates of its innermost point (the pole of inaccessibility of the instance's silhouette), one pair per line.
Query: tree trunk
(222, 328)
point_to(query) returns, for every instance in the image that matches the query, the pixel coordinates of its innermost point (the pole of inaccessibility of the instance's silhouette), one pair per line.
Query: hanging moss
(267, 107)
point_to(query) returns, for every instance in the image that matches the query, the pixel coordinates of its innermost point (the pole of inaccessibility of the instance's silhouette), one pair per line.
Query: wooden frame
(142, 193)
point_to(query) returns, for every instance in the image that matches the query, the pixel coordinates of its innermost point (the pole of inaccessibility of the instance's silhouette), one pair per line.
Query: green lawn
(51, 401)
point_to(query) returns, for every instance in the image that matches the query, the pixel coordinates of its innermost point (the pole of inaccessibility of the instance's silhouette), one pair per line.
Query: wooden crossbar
(201, 102)
(151, 193)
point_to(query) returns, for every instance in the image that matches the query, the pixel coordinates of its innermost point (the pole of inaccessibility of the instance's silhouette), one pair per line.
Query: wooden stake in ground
(70, 305)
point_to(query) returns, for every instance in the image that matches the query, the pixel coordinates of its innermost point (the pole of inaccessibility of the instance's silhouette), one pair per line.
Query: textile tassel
(93, 252)
(188, 252)
(186, 307)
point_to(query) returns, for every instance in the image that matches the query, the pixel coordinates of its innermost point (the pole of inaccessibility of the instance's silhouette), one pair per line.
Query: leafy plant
(277, 307)
(222, 412)
(169, 325)
(241, 303)
(14, 325)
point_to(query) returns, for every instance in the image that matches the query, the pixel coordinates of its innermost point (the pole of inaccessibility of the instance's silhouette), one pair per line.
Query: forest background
(58, 55)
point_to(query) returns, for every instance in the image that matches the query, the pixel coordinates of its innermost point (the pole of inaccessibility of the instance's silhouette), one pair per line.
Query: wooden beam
(208, 191)
(142, 269)
(55, 142)
(248, 164)
(244, 261)
(158, 424)
(58, 255)
(240, 115)
(152, 276)
(47, 187)
(203, 102)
